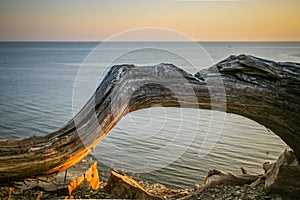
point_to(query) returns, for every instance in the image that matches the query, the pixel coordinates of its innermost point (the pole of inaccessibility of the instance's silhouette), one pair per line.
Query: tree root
(265, 91)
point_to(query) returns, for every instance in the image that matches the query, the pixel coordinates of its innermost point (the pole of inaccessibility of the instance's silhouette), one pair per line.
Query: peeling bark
(264, 91)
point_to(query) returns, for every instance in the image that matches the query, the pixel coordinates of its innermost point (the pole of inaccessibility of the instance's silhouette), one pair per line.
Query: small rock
(244, 188)
(267, 197)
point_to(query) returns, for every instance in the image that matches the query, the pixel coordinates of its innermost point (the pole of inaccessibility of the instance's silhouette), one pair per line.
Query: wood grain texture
(262, 90)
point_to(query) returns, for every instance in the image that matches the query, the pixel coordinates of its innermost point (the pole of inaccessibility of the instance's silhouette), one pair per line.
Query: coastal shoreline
(229, 192)
(121, 186)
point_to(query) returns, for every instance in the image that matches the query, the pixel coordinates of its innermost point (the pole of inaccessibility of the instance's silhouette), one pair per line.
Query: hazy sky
(95, 20)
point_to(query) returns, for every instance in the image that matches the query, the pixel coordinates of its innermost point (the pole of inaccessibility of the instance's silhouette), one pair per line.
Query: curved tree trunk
(264, 91)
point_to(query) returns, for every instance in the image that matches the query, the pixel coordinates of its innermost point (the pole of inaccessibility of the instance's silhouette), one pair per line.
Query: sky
(97, 20)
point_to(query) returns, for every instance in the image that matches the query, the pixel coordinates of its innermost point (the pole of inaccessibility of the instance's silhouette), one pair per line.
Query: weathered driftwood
(262, 90)
(122, 186)
(281, 177)
(225, 178)
(284, 175)
(65, 182)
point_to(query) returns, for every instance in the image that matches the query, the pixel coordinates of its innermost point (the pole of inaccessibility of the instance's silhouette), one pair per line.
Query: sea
(44, 84)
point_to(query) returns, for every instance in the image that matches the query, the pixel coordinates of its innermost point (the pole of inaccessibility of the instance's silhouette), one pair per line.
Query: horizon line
(149, 41)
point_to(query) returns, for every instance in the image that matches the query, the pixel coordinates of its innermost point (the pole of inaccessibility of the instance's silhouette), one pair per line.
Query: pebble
(237, 193)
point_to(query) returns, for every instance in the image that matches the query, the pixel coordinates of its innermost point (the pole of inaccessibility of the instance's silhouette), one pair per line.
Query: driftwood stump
(284, 175)
(262, 90)
(124, 187)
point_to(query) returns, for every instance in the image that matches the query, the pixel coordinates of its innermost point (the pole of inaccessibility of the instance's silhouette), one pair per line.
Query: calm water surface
(38, 83)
